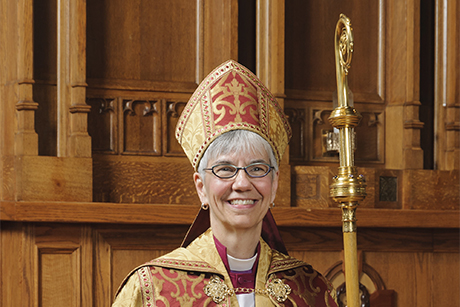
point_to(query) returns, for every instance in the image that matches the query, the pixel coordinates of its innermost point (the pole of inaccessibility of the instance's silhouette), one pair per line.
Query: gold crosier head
(231, 97)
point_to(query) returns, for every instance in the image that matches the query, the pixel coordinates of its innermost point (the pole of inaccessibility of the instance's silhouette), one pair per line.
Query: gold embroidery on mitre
(193, 135)
(234, 99)
(277, 131)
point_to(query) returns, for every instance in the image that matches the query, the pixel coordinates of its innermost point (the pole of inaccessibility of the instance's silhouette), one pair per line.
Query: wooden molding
(91, 212)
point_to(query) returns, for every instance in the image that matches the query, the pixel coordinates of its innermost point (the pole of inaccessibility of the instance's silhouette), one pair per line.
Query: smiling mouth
(242, 202)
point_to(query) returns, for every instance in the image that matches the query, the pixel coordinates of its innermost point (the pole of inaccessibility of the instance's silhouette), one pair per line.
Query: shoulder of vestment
(182, 259)
(282, 262)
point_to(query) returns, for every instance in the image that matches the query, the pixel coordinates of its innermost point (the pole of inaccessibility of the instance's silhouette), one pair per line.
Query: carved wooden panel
(309, 49)
(319, 125)
(389, 189)
(173, 110)
(58, 287)
(311, 125)
(370, 137)
(135, 126)
(142, 127)
(312, 186)
(299, 139)
(103, 124)
(141, 132)
(63, 259)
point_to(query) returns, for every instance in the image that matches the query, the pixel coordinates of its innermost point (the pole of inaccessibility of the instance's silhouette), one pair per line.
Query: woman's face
(241, 202)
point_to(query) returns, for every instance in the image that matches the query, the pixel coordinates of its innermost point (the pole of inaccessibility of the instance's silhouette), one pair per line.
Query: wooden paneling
(58, 287)
(402, 73)
(312, 186)
(46, 265)
(397, 277)
(391, 189)
(83, 265)
(142, 60)
(45, 76)
(445, 266)
(424, 189)
(143, 180)
(14, 291)
(310, 62)
(310, 123)
(51, 178)
(217, 35)
(171, 115)
(447, 91)
(135, 126)
(139, 81)
(46, 117)
(167, 214)
(142, 126)
(145, 40)
(72, 136)
(63, 260)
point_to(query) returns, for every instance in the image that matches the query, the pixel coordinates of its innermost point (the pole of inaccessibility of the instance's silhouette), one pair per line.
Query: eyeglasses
(254, 170)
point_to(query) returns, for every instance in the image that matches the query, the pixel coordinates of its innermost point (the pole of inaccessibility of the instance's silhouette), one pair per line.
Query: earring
(204, 206)
(272, 205)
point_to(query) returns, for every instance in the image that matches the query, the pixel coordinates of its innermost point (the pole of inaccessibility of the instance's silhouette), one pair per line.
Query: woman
(234, 133)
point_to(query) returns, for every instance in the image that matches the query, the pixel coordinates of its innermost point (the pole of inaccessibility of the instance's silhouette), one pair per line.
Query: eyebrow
(231, 163)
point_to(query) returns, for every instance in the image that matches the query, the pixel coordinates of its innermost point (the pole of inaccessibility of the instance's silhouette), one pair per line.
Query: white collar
(241, 265)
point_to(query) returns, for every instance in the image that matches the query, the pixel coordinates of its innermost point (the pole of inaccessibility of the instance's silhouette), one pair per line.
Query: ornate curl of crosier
(343, 46)
(345, 42)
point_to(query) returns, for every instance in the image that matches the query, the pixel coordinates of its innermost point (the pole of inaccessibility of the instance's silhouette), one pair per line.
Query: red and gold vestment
(180, 278)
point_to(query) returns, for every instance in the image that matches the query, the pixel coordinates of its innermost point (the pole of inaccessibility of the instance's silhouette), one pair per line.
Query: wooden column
(26, 139)
(17, 109)
(18, 136)
(218, 37)
(447, 86)
(24, 174)
(270, 70)
(270, 46)
(72, 137)
(402, 141)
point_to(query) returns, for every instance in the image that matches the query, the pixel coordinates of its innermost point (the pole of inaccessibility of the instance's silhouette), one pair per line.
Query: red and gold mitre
(231, 97)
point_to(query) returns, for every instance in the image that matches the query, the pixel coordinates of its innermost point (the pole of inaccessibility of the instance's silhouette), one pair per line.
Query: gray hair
(237, 141)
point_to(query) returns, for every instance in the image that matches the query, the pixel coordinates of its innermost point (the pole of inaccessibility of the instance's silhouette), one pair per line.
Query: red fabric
(271, 234)
(236, 100)
(199, 225)
(178, 285)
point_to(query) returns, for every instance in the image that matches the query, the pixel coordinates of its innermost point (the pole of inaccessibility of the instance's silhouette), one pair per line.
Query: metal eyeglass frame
(240, 168)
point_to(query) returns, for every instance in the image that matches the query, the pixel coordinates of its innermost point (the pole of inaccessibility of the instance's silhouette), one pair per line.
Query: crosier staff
(347, 188)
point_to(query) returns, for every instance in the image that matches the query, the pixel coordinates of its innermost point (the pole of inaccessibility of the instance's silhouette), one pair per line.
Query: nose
(241, 181)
